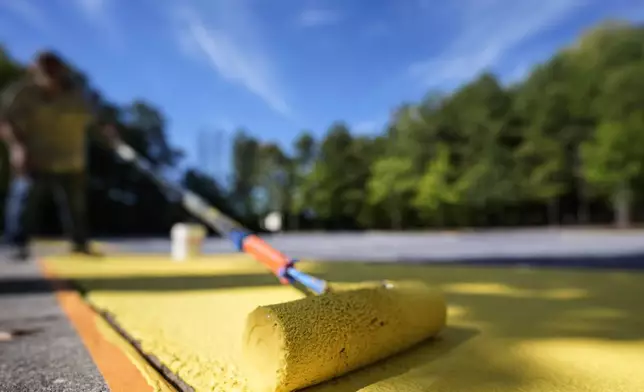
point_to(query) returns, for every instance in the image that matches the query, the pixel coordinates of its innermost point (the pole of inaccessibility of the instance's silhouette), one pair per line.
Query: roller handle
(281, 266)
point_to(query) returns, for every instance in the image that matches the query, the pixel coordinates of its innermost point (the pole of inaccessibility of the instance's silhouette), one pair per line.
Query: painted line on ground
(123, 369)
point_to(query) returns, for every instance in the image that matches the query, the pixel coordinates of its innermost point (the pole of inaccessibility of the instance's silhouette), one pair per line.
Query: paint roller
(334, 329)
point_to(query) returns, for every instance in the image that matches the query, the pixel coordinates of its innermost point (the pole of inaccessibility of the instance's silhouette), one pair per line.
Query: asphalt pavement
(539, 247)
(47, 355)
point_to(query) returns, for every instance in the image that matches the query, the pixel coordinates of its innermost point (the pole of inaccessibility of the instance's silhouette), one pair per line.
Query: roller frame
(244, 240)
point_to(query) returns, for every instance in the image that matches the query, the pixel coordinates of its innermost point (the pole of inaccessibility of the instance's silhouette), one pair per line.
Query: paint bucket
(187, 240)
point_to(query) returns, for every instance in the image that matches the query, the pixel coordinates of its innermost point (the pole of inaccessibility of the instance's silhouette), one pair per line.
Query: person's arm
(9, 113)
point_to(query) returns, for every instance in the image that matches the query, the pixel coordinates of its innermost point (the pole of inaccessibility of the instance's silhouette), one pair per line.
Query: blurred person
(44, 118)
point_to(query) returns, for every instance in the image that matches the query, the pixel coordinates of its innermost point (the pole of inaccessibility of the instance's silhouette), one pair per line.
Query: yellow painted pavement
(152, 377)
(529, 330)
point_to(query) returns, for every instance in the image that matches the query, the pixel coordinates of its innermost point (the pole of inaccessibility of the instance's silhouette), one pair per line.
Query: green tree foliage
(277, 176)
(337, 177)
(304, 156)
(437, 190)
(246, 166)
(562, 146)
(392, 183)
(613, 157)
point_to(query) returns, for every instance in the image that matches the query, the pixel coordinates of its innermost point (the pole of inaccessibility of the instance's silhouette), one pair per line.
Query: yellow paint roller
(296, 344)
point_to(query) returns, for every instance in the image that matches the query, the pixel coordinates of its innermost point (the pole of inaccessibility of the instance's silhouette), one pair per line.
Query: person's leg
(72, 206)
(21, 212)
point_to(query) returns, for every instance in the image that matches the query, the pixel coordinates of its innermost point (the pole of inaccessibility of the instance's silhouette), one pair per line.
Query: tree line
(563, 146)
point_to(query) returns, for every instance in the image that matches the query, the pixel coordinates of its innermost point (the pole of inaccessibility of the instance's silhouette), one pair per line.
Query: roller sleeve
(292, 345)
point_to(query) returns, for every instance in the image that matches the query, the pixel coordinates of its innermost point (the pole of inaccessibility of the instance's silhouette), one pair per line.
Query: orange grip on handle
(266, 254)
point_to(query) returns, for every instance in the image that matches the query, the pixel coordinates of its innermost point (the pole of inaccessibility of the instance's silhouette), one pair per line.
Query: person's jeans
(26, 194)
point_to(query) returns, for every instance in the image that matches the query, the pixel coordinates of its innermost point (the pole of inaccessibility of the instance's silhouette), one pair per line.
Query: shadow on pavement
(629, 261)
(424, 353)
(137, 283)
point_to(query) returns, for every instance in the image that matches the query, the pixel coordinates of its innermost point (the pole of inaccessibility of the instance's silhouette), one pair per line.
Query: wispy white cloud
(314, 17)
(489, 30)
(26, 11)
(228, 36)
(98, 13)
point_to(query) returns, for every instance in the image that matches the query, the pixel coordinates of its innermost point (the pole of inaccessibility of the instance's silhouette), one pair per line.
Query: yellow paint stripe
(123, 369)
(153, 378)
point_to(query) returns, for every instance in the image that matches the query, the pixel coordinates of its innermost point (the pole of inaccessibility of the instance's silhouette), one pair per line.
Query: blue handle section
(288, 273)
(237, 237)
(314, 284)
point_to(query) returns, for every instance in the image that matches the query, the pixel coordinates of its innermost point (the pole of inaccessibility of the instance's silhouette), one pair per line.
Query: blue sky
(278, 66)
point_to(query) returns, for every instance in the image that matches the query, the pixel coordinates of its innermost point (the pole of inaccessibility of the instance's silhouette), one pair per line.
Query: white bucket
(187, 240)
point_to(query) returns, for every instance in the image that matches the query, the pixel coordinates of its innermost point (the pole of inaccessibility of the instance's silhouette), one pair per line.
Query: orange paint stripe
(120, 374)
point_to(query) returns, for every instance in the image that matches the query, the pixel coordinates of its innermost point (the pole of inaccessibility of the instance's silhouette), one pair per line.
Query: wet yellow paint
(154, 379)
(508, 329)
